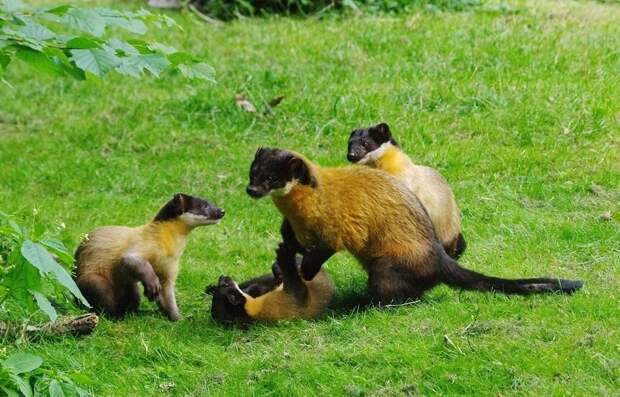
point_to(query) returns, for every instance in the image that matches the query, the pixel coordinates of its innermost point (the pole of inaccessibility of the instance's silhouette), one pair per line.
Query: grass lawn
(518, 107)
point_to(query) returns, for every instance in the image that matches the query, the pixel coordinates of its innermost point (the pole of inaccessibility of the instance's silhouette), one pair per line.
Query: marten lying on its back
(266, 298)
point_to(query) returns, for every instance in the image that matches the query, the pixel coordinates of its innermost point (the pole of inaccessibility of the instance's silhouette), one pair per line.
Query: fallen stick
(76, 325)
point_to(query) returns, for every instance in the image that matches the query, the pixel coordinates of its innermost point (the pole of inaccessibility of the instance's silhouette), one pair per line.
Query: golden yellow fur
(431, 189)
(359, 209)
(281, 304)
(160, 243)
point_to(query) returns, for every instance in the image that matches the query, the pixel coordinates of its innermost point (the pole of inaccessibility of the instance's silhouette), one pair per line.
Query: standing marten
(376, 148)
(266, 299)
(111, 260)
(375, 217)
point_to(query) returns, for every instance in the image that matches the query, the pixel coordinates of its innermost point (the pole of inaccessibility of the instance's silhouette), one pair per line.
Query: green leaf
(198, 71)
(38, 60)
(9, 392)
(11, 6)
(23, 385)
(19, 363)
(38, 256)
(16, 227)
(57, 247)
(55, 390)
(21, 278)
(162, 48)
(45, 305)
(94, 60)
(83, 43)
(122, 20)
(135, 65)
(60, 10)
(85, 20)
(36, 32)
(119, 47)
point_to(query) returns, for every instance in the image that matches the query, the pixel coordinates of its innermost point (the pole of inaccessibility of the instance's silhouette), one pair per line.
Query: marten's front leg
(313, 259)
(136, 268)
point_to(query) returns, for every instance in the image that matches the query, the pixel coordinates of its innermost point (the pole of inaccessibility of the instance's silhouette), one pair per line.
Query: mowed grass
(517, 106)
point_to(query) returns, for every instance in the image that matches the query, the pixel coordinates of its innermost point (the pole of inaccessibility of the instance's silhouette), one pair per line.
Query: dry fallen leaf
(244, 104)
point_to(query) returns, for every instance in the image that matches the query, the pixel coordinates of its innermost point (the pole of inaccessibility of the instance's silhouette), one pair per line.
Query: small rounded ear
(180, 201)
(299, 170)
(381, 133)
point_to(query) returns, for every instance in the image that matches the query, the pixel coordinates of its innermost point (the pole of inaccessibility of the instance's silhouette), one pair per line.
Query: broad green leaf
(21, 278)
(67, 65)
(117, 46)
(19, 363)
(45, 305)
(164, 49)
(83, 43)
(60, 10)
(23, 385)
(122, 20)
(16, 227)
(94, 60)
(37, 32)
(55, 390)
(38, 256)
(85, 20)
(38, 60)
(11, 6)
(198, 71)
(135, 65)
(9, 392)
(181, 57)
(58, 248)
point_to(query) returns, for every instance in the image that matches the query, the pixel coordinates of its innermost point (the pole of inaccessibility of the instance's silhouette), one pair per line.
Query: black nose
(219, 213)
(253, 191)
(352, 157)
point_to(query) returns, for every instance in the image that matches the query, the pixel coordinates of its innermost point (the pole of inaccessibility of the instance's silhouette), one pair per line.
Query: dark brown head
(193, 211)
(364, 141)
(274, 169)
(228, 305)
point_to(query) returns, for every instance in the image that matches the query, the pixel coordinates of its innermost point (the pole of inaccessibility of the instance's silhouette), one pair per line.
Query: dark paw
(277, 272)
(152, 288)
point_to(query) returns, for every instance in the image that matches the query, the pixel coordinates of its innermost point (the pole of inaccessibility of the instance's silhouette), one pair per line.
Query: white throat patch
(376, 154)
(284, 190)
(193, 220)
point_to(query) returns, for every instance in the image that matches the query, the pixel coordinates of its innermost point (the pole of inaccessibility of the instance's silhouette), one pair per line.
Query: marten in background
(111, 260)
(376, 147)
(375, 217)
(267, 299)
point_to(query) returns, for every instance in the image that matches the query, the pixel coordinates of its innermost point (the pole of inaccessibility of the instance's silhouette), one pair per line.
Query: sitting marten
(375, 147)
(267, 299)
(111, 260)
(375, 217)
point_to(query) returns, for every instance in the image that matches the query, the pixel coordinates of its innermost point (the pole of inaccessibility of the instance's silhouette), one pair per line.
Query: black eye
(271, 178)
(365, 143)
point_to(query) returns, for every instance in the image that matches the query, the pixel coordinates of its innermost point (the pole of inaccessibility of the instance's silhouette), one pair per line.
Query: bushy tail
(460, 246)
(456, 276)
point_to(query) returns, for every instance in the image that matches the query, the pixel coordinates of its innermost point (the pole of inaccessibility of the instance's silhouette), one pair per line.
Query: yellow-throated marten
(267, 299)
(111, 260)
(376, 148)
(375, 217)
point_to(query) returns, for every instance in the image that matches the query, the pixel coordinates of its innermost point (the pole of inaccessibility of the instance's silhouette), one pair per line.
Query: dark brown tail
(460, 247)
(459, 277)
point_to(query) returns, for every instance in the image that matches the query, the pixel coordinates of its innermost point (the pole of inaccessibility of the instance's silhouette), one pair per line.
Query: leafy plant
(21, 375)
(29, 268)
(68, 40)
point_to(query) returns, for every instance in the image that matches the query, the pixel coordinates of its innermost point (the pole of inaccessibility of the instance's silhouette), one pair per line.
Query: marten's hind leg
(129, 299)
(391, 283)
(100, 293)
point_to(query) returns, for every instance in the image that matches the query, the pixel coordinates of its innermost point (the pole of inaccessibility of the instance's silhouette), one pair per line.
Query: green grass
(518, 107)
